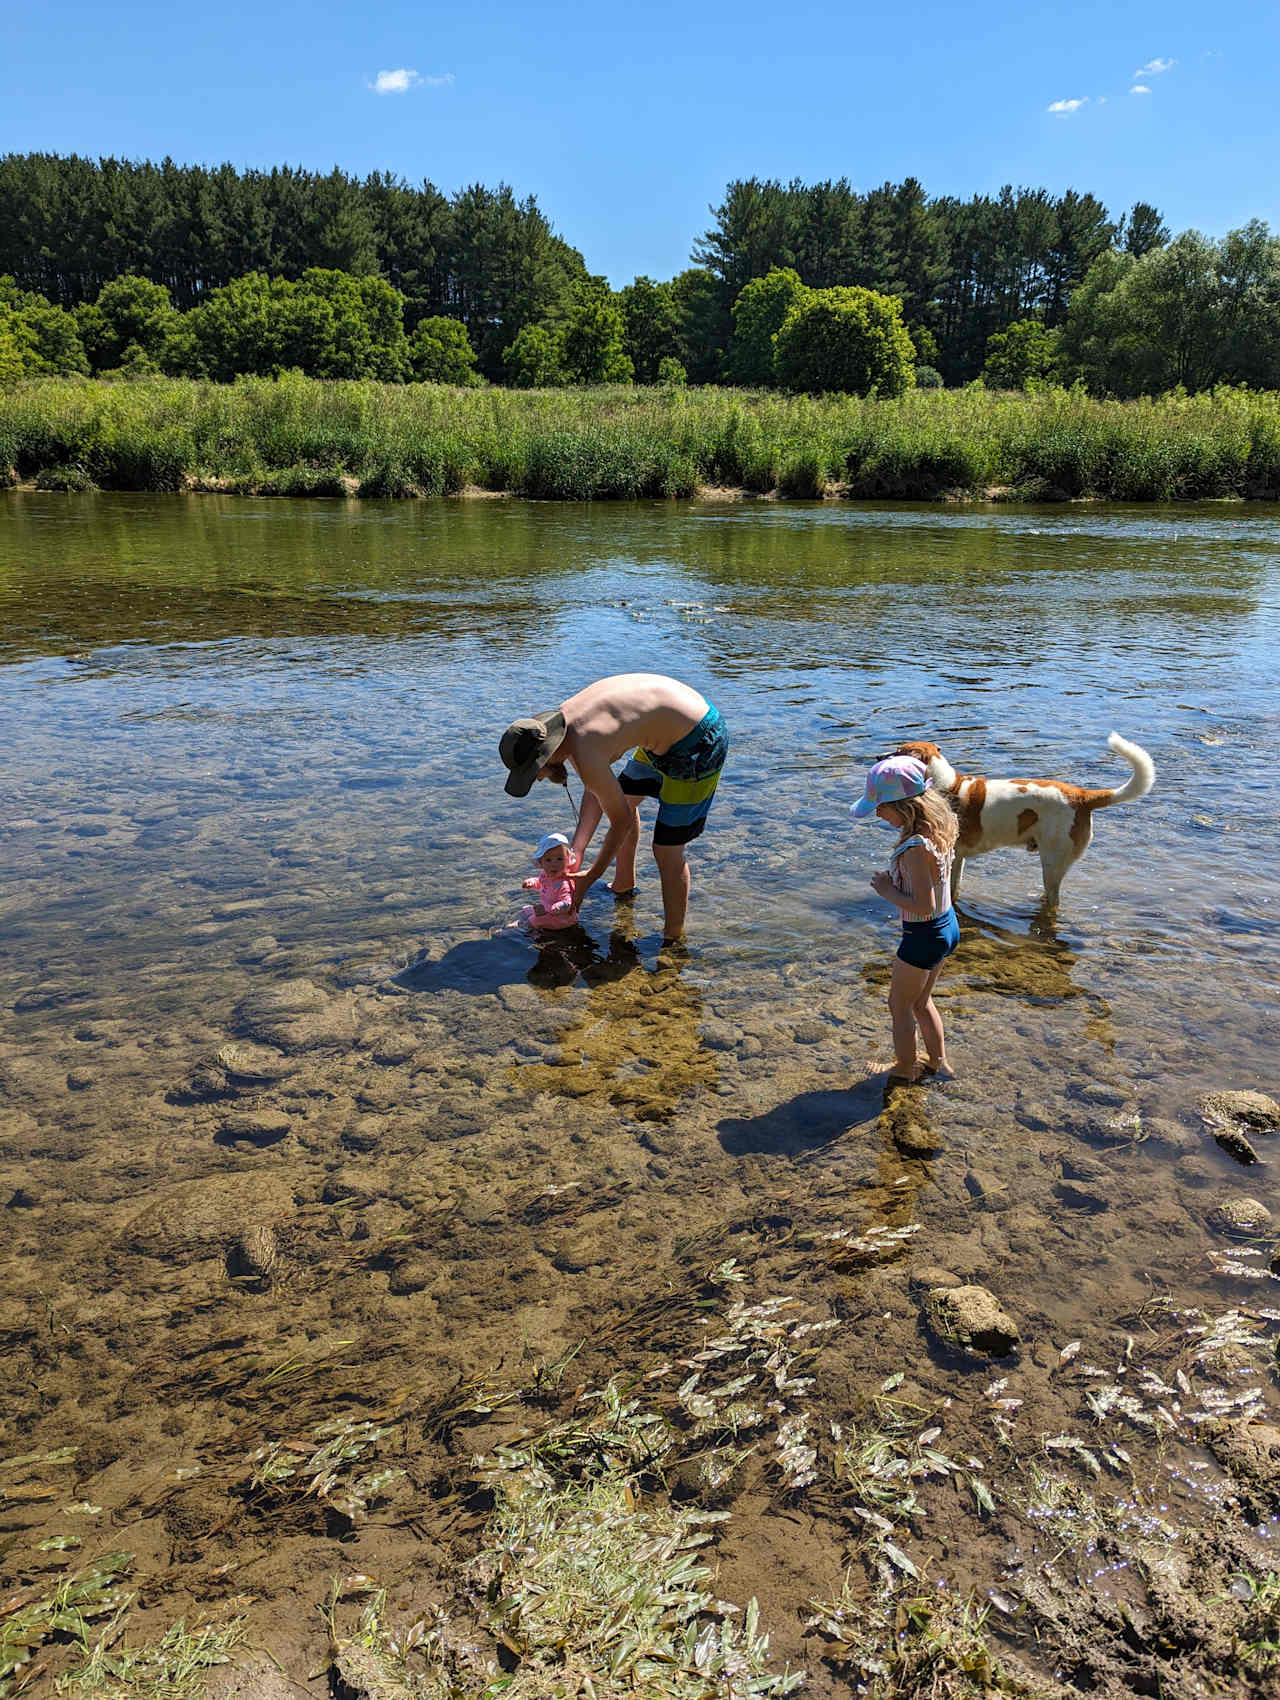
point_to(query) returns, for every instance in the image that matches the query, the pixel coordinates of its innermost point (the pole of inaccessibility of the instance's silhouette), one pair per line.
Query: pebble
(80, 1079)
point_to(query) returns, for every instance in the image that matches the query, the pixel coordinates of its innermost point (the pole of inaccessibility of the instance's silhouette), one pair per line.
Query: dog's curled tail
(1144, 771)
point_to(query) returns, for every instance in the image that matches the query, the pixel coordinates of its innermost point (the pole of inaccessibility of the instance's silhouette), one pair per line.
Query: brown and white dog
(1040, 814)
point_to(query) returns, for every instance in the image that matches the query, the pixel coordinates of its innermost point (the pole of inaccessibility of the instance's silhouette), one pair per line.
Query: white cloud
(401, 81)
(1068, 105)
(1139, 88)
(1154, 67)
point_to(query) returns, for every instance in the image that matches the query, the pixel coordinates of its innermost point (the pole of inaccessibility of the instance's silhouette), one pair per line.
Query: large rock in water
(973, 1319)
(1254, 1109)
(296, 1015)
(204, 1219)
(1240, 1216)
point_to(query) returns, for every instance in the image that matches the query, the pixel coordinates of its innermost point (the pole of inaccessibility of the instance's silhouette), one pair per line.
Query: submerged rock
(1250, 1451)
(1235, 1144)
(973, 1319)
(254, 1064)
(295, 1015)
(1254, 1109)
(205, 1218)
(1240, 1216)
(253, 1253)
(253, 1127)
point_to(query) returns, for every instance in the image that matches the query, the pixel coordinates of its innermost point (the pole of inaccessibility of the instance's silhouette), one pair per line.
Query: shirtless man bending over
(677, 744)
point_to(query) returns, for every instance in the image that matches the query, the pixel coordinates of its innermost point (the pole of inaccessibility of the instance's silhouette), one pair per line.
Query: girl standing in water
(918, 881)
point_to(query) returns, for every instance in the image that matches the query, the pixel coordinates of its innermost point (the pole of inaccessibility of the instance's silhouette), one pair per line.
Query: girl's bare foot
(897, 1079)
(941, 1070)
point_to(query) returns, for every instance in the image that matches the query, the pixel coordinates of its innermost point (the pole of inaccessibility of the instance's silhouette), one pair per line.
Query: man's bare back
(609, 718)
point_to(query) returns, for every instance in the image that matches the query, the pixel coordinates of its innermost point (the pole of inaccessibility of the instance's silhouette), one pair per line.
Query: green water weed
(168, 1669)
(29, 1621)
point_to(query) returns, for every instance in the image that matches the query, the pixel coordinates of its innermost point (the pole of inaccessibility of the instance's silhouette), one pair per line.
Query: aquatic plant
(30, 1620)
(290, 1470)
(168, 1669)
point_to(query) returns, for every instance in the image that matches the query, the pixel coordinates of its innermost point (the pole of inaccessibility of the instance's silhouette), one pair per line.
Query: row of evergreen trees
(962, 269)
(113, 264)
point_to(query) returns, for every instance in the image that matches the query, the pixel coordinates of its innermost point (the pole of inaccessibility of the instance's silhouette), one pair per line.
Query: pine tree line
(962, 269)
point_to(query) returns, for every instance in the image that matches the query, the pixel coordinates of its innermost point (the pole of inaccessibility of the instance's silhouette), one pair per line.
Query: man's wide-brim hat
(527, 746)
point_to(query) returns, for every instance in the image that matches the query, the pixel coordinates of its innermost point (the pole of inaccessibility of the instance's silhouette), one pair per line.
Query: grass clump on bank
(307, 437)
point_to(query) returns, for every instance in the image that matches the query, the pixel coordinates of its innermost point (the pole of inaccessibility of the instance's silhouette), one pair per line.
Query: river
(251, 798)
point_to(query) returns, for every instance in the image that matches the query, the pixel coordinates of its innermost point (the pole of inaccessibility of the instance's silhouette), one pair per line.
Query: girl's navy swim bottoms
(927, 943)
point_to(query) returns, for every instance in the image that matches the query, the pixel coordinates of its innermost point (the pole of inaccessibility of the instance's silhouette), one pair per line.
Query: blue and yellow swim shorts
(683, 779)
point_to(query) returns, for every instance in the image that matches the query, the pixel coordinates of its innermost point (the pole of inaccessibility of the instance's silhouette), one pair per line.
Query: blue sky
(626, 122)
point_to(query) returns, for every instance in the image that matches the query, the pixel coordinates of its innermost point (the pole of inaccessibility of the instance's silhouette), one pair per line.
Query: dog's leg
(957, 868)
(1059, 851)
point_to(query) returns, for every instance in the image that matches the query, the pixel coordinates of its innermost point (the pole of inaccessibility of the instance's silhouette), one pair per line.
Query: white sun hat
(548, 841)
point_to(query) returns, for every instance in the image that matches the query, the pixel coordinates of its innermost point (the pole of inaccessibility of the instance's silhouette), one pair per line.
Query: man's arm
(588, 820)
(610, 799)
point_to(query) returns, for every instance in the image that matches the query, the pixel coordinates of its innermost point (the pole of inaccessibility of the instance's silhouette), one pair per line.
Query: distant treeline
(346, 277)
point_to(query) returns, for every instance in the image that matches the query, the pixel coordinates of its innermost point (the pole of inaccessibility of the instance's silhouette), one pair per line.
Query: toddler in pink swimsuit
(553, 906)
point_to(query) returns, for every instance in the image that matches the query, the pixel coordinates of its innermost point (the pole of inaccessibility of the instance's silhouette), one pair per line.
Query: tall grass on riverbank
(301, 436)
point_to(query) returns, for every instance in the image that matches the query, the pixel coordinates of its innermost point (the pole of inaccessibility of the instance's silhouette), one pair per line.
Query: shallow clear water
(252, 742)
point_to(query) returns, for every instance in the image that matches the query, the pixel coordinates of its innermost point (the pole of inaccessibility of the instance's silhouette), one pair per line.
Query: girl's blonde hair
(931, 816)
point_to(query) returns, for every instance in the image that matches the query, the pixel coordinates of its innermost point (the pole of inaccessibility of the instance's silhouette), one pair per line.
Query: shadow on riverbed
(806, 1122)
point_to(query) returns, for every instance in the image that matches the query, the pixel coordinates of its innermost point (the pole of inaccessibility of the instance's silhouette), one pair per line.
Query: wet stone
(1038, 1117)
(253, 1253)
(49, 995)
(1104, 1096)
(810, 1032)
(575, 1252)
(414, 1275)
(520, 999)
(1086, 1169)
(295, 1015)
(394, 1048)
(1196, 1171)
(1076, 1195)
(364, 1133)
(930, 1275)
(1235, 1145)
(1161, 1131)
(720, 1035)
(80, 1079)
(203, 1218)
(986, 1188)
(1254, 1109)
(1240, 1215)
(253, 1127)
(254, 1065)
(972, 1319)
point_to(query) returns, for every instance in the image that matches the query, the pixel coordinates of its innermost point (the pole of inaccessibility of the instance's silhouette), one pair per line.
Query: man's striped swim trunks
(683, 779)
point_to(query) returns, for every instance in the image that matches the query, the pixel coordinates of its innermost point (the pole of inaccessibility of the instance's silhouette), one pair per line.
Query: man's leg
(624, 867)
(674, 872)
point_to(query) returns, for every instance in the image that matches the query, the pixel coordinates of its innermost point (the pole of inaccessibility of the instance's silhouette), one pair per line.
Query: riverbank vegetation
(132, 269)
(300, 436)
